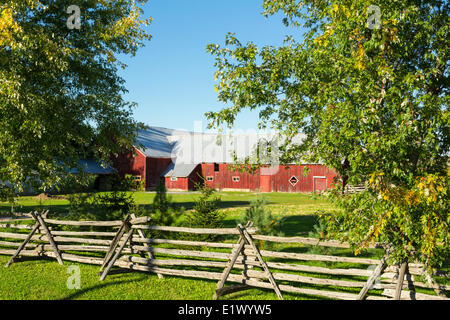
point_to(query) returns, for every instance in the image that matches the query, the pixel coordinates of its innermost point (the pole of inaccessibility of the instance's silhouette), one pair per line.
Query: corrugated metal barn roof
(189, 147)
(154, 142)
(93, 167)
(220, 148)
(179, 170)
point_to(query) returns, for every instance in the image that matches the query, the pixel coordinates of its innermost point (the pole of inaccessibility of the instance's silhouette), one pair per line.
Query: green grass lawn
(230, 200)
(47, 280)
(19, 281)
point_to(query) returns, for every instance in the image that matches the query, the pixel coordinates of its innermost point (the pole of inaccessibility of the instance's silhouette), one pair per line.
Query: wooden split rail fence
(134, 244)
(350, 189)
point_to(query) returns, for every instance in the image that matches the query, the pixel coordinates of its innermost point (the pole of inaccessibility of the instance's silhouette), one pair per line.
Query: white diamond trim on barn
(293, 180)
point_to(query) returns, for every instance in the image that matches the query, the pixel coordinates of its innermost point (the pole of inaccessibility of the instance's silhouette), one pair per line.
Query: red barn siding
(185, 183)
(207, 170)
(195, 177)
(223, 179)
(127, 163)
(265, 183)
(309, 183)
(180, 184)
(319, 177)
(150, 169)
(155, 168)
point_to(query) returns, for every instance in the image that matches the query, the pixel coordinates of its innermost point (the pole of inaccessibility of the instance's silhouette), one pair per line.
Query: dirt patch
(58, 197)
(42, 196)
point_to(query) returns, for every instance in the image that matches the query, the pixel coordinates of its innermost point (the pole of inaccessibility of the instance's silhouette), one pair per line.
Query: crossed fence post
(245, 239)
(40, 224)
(112, 255)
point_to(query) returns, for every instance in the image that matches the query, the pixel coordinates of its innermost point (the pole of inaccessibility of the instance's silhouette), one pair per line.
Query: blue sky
(172, 77)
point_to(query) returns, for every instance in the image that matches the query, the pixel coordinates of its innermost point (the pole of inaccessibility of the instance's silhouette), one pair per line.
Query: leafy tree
(7, 194)
(60, 94)
(370, 92)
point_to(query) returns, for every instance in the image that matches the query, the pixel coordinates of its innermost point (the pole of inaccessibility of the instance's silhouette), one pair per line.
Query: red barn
(149, 159)
(181, 159)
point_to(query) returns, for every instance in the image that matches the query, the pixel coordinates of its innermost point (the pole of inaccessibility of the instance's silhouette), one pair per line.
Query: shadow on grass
(298, 225)
(188, 205)
(261, 294)
(99, 286)
(119, 271)
(38, 258)
(292, 226)
(57, 209)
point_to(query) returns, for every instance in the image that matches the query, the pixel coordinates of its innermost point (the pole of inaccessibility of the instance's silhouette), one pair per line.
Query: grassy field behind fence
(299, 209)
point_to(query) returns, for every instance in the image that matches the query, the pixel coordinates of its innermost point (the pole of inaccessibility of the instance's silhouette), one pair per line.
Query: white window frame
(173, 178)
(314, 181)
(236, 178)
(209, 178)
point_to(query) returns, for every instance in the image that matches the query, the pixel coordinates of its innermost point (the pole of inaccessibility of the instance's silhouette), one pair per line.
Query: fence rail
(232, 257)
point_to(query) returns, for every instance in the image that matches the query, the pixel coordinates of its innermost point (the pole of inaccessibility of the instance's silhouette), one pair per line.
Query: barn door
(265, 183)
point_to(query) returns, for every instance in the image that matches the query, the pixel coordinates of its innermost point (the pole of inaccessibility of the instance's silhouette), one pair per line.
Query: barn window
(293, 181)
(236, 179)
(137, 178)
(173, 179)
(216, 167)
(209, 178)
(319, 183)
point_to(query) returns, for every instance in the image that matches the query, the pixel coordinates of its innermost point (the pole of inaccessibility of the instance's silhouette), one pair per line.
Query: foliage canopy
(60, 93)
(370, 95)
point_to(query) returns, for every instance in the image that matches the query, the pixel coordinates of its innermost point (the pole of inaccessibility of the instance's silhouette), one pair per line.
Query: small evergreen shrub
(262, 218)
(100, 206)
(126, 183)
(164, 212)
(129, 183)
(206, 213)
(320, 231)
